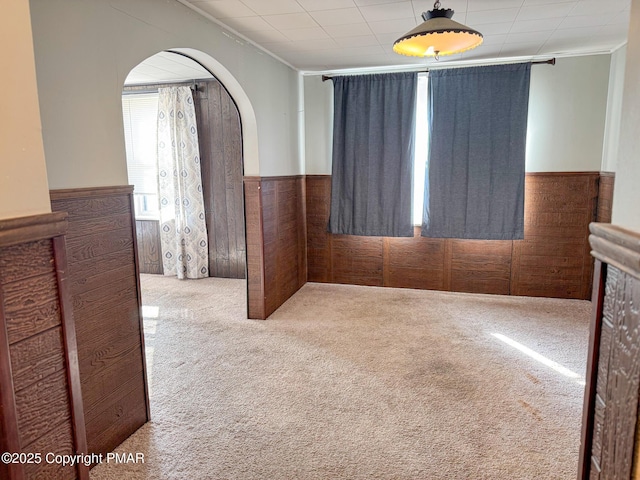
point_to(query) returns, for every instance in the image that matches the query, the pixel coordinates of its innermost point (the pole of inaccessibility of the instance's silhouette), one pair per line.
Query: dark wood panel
(619, 378)
(96, 245)
(61, 439)
(98, 279)
(94, 301)
(103, 279)
(31, 306)
(416, 262)
(255, 252)
(26, 260)
(42, 406)
(481, 266)
(605, 197)
(9, 432)
(284, 237)
(553, 259)
(105, 224)
(80, 272)
(104, 350)
(610, 433)
(149, 247)
(14, 231)
(37, 357)
(357, 260)
(112, 377)
(110, 426)
(83, 207)
(220, 138)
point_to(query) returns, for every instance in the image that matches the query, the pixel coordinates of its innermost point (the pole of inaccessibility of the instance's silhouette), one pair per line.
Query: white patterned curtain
(183, 231)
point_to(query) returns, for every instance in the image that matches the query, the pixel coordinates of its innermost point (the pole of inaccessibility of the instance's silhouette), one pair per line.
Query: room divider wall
(610, 447)
(105, 294)
(41, 409)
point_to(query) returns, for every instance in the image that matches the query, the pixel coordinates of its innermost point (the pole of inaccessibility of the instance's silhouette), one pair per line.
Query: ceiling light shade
(437, 35)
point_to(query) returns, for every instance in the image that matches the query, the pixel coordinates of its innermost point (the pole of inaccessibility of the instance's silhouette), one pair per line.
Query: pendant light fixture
(437, 35)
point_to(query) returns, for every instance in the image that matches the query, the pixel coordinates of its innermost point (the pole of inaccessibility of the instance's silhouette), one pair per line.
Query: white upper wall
(23, 176)
(567, 111)
(318, 122)
(85, 50)
(626, 193)
(614, 110)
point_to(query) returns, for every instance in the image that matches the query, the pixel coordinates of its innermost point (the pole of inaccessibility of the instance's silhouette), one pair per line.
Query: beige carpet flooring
(349, 382)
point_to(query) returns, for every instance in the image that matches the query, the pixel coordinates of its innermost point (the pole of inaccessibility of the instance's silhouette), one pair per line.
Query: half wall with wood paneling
(610, 434)
(276, 241)
(553, 259)
(40, 397)
(105, 293)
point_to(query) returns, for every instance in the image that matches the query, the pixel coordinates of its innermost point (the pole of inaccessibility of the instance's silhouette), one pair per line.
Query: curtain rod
(153, 87)
(551, 61)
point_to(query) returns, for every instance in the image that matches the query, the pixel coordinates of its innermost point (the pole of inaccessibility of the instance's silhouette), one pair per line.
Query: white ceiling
(326, 35)
(166, 67)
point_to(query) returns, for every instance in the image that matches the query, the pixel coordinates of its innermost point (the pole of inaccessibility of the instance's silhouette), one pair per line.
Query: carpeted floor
(348, 382)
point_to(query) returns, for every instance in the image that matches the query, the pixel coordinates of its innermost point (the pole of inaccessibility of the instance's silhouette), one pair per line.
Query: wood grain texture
(610, 415)
(9, 431)
(416, 262)
(589, 401)
(62, 438)
(319, 253)
(105, 295)
(284, 239)
(35, 365)
(26, 260)
(255, 249)
(37, 357)
(41, 406)
(220, 140)
(605, 197)
(71, 354)
(149, 248)
(481, 266)
(31, 306)
(14, 231)
(618, 378)
(553, 260)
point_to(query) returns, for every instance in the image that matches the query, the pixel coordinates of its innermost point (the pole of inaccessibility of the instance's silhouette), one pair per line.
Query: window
(141, 131)
(421, 148)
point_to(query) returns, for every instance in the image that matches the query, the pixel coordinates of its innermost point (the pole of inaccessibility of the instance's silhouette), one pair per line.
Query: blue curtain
(477, 141)
(373, 136)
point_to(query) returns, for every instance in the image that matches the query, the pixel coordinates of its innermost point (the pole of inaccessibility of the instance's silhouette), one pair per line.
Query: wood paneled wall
(605, 197)
(40, 398)
(105, 292)
(610, 433)
(553, 260)
(276, 241)
(149, 247)
(220, 139)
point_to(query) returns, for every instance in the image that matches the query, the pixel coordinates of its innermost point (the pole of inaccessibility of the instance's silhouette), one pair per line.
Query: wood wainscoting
(41, 407)
(276, 241)
(553, 260)
(220, 140)
(149, 248)
(610, 442)
(105, 293)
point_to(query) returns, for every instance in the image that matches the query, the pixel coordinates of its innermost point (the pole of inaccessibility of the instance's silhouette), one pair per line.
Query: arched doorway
(221, 161)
